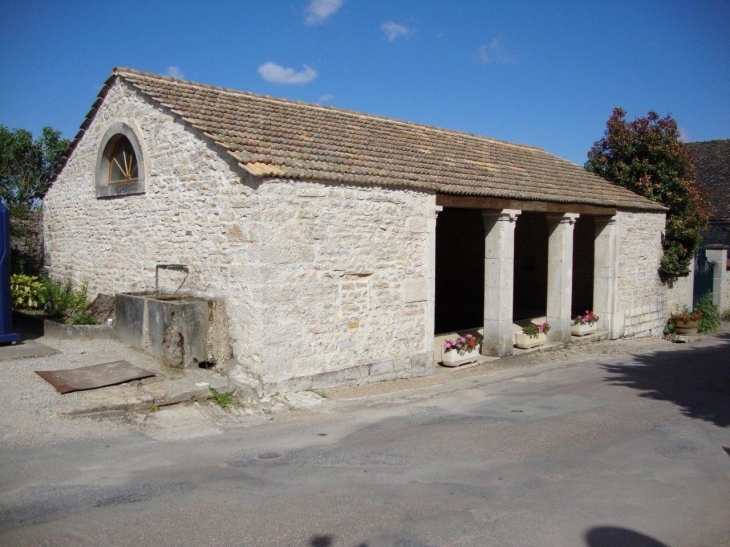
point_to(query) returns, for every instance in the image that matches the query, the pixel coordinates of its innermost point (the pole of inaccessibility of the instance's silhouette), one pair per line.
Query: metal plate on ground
(94, 376)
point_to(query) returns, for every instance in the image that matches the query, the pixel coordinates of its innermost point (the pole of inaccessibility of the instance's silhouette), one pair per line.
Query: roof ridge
(708, 141)
(120, 71)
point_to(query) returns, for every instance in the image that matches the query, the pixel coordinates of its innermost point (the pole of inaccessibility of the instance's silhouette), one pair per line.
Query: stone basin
(177, 329)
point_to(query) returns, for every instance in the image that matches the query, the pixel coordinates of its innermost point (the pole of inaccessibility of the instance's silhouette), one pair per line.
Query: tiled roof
(713, 172)
(288, 139)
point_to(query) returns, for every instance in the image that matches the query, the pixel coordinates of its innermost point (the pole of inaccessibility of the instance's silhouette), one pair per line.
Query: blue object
(6, 299)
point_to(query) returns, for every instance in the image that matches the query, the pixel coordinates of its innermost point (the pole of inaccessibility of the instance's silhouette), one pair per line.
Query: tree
(27, 166)
(647, 157)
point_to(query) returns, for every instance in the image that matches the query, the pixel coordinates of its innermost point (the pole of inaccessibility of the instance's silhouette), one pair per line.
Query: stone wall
(678, 293)
(322, 284)
(27, 248)
(642, 294)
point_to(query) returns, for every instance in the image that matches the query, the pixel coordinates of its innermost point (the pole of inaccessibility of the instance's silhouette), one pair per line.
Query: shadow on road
(696, 379)
(327, 541)
(613, 536)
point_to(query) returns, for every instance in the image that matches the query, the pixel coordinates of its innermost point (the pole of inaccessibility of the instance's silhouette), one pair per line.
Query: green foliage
(710, 320)
(60, 299)
(647, 157)
(54, 298)
(82, 319)
(27, 166)
(27, 292)
(221, 399)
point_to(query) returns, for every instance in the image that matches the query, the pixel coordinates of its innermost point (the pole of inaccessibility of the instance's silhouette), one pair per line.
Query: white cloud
(494, 53)
(277, 74)
(326, 98)
(683, 134)
(393, 30)
(320, 10)
(175, 72)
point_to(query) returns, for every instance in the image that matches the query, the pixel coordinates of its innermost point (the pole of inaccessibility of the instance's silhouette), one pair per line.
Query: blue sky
(543, 73)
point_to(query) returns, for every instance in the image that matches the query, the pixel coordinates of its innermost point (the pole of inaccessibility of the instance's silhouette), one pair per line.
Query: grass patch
(221, 399)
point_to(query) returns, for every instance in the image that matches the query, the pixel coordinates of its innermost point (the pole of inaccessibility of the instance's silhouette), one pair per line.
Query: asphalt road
(632, 451)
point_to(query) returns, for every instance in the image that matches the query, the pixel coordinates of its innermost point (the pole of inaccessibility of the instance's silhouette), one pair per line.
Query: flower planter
(686, 328)
(525, 341)
(453, 358)
(583, 329)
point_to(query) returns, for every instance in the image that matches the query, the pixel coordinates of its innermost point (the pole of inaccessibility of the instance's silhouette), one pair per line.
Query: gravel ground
(33, 411)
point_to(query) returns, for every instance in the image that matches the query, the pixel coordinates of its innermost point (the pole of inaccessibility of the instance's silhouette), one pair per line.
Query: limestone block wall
(322, 284)
(195, 212)
(641, 293)
(678, 294)
(342, 277)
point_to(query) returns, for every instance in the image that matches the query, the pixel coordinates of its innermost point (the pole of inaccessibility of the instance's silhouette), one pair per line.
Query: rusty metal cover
(94, 376)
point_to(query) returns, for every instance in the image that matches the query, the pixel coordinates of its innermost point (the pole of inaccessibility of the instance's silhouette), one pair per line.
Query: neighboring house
(712, 159)
(341, 242)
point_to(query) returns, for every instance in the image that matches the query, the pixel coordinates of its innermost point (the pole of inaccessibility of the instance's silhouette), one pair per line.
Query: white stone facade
(642, 294)
(322, 284)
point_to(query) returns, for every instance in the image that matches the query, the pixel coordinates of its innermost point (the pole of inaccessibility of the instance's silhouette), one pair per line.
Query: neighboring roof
(713, 172)
(288, 139)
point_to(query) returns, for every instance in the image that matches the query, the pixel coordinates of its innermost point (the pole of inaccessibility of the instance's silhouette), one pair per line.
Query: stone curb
(139, 398)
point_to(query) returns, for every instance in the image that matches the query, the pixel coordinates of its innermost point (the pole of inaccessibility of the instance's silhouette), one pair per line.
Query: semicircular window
(123, 165)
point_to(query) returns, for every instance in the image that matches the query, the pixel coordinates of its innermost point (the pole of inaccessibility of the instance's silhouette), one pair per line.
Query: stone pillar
(499, 265)
(605, 276)
(718, 255)
(560, 274)
(431, 295)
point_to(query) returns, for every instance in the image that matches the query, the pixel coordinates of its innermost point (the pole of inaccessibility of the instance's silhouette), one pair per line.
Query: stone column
(717, 254)
(560, 274)
(431, 295)
(499, 265)
(605, 276)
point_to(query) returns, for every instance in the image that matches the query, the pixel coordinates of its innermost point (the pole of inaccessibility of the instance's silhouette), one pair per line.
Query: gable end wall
(323, 284)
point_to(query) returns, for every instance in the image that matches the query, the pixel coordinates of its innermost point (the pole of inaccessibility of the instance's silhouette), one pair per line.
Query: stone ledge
(61, 331)
(392, 369)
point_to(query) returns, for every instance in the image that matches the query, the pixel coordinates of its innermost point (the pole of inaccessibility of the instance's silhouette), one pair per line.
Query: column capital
(436, 210)
(504, 215)
(562, 218)
(606, 219)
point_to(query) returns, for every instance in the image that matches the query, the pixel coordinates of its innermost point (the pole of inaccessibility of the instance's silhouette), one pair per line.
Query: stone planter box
(453, 358)
(583, 329)
(61, 331)
(524, 341)
(686, 328)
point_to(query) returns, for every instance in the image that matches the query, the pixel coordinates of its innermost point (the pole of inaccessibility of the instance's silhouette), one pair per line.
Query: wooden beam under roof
(477, 202)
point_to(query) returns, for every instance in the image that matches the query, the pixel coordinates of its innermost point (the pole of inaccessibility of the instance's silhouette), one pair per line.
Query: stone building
(340, 243)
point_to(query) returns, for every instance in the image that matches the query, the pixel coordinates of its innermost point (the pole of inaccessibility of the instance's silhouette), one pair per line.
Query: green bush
(60, 299)
(27, 292)
(82, 319)
(710, 320)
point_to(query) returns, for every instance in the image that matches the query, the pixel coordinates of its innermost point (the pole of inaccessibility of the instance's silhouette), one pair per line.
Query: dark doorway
(459, 270)
(584, 248)
(704, 273)
(531, 261)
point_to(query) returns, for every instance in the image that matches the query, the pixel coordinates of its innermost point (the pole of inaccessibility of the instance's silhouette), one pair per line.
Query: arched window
(123, 165)
(120, 163)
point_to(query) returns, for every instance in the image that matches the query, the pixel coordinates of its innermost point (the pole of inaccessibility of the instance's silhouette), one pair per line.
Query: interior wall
(459, 270)
(583, 264)
(531, 261)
